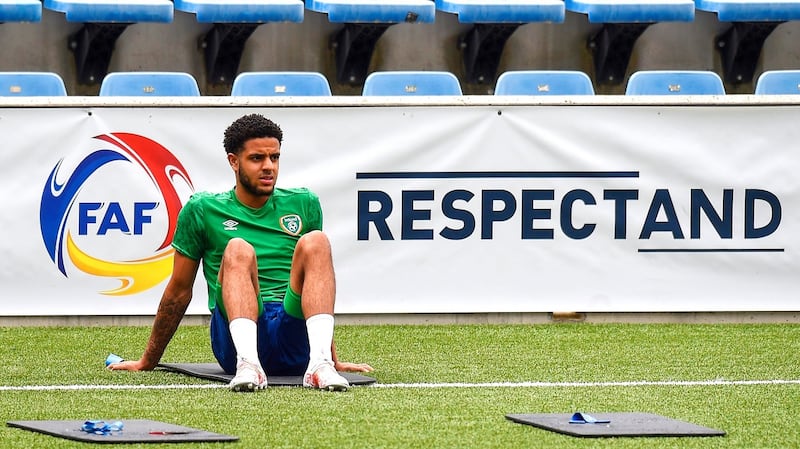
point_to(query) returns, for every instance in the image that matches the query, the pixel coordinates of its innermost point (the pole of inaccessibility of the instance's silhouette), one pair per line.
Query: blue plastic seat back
(544, 82)
(675, 82)
(128, 11)
(21, 11)
(251, 11)
(778, 82)
(504, 11)
(272, 84)
(145, 84)
(751, 10)
(375, 11)
(633, 11)
(31, 84)
(411, 83)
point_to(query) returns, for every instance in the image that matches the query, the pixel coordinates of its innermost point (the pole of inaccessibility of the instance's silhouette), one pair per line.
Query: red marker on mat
(169, 432)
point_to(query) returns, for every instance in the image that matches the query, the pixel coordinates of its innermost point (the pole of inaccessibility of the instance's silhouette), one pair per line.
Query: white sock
(320, 336)
(244, 333)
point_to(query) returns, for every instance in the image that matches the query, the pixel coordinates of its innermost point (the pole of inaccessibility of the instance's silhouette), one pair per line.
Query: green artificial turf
(428, 416)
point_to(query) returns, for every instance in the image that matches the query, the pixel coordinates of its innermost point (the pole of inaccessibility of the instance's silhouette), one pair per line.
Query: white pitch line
(589, 384)
(642, 383)
(110, 387)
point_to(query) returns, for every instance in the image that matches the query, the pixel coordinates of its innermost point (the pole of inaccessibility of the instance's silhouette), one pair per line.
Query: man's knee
(238, 252)
(313, 243)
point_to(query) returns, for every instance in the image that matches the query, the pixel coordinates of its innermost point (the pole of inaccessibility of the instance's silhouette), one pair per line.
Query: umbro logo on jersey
(230, 225)
(292, 224)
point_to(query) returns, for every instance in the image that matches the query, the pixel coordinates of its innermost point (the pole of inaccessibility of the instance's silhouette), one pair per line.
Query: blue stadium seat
(103, 23)
(544, 82)
(411, 83)
(494, 21)
(365, 21)
(675, 82)
(751, 10)
(20, 11)
(130, 11)
(31, 84)
(271, 84)
(751, 23)
(243, 11)
(504, 11)
(622, 24)
(778, 82)
(234, 21)
(633, 11)
(143, 84)
(377, 11)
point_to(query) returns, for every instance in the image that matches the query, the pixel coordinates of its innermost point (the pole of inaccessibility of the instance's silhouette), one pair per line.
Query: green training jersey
(208, 220)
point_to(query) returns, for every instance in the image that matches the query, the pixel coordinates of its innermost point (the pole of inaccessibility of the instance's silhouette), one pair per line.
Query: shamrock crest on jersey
(292, 224)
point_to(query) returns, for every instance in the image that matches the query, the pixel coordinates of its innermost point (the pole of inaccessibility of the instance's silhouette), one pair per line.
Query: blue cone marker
(113, 358)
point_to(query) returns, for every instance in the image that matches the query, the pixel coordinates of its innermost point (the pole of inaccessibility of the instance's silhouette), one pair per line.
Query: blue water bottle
(113, 358)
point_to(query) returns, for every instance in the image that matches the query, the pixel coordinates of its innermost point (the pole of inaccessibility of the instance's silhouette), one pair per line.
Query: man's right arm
(174, 302)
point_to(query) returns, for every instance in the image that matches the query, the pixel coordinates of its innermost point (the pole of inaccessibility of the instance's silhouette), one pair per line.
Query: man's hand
(352, 367)
(129, 365)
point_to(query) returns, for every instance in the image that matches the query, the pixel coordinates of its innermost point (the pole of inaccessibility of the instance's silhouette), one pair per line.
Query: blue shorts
(282, 342)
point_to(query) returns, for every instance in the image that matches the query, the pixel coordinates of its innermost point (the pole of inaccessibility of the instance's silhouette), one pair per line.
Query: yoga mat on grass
(133, 431)
(623, 424)
(212, 371)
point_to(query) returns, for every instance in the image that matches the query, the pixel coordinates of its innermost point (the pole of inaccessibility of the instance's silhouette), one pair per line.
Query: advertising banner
(430, 209)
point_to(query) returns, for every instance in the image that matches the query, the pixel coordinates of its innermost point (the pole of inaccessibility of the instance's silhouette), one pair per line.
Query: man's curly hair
(248, 127)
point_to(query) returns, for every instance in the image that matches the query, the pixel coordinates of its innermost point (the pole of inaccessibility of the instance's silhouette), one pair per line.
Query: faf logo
(61, 209)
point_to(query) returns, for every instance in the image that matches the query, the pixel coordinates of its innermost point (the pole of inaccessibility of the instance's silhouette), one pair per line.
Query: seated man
(269, 271)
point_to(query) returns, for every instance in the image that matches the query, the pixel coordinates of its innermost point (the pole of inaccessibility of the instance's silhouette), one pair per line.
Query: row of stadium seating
(364, 21)
(398, 83)
(469, 11)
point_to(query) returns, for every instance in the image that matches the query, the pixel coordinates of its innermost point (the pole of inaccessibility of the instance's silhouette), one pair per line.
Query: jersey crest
(291, 224)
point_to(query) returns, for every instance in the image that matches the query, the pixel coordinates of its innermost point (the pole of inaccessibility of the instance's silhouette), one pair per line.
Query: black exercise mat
(212, 371)
(620, 425)
(133, 431)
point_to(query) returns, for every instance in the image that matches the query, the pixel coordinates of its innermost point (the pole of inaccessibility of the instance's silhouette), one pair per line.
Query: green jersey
(208, 220)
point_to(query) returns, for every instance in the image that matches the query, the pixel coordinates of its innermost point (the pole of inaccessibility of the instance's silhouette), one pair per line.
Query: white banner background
(674, 148)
